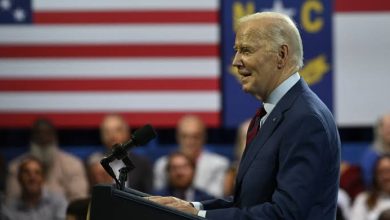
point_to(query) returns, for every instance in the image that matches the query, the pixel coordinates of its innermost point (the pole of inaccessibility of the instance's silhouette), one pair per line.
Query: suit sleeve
(302, 158)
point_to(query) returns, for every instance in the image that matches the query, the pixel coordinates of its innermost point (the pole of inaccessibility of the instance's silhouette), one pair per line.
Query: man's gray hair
(282, 30)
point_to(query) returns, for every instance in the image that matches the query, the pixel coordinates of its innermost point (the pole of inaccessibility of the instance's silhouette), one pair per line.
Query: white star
(5, 4)
(279, 7)
(19, 14)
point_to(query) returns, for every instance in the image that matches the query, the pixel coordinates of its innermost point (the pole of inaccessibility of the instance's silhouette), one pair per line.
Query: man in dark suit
(290, 167)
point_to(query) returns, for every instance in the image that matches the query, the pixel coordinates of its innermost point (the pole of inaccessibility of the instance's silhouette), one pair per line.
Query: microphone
(140, 137)
(119, 151)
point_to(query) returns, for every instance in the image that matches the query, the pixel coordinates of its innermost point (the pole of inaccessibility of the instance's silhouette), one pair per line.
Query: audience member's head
(114, 130)
(385, 215)
(31, 177)
(381, 180)
(96, 173)
(191, 136)
(78, 209)
(382, 134)
(43, 140)
(180, 171)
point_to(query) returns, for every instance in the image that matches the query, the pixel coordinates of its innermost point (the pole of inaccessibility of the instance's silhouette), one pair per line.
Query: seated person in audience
(35, 202)
(343, 205)
(96, 173)
(368, 205)
(65, 172)
(180, 172)
(385, 215)
(351, 179)
(115, 130)
(210, 167)
(78, 209)
(3, 172)
(239, 148)
(380, 146)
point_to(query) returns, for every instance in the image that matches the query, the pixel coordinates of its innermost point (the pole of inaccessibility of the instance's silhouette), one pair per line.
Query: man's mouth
(244, 73)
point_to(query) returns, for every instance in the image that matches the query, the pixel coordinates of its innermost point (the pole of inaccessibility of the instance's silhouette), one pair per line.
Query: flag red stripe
(184, 50)
(112, 17)
(152, 84)
(93, 119)
(362, 5)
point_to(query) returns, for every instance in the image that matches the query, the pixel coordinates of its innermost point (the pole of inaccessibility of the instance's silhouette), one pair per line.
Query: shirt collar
(280, 91)
(21, 205)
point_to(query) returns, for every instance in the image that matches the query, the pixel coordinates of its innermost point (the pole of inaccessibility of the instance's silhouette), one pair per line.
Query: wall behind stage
(361, 58)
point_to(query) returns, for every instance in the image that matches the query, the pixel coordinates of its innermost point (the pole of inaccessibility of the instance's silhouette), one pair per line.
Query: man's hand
(174, 203)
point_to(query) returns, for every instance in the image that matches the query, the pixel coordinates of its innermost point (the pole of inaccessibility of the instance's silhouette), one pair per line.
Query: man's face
(256, 64)
(98, 175)
(191, 137)
(44, 136)
(180, 172)
(31, 178)
(383, 175)
(114, 131)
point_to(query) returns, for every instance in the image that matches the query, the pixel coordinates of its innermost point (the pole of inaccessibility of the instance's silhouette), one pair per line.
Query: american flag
(74, 61)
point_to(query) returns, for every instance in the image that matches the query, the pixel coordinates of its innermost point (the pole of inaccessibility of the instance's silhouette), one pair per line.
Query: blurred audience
(343, 205)
(368, 205)
(65, 172)
(230, 177)
(380, 146)
(78, 209)
(35, 202)
(3, 174)
(96, 173)
(351, 179)
(210, 167)
(385, 215)
(115, 130)
(180, 171)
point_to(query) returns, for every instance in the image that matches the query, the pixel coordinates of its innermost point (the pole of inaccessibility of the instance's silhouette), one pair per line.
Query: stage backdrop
(74, 61)
(153, 61)
(315, 24)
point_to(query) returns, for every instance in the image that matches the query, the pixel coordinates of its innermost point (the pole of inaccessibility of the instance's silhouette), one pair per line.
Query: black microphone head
(143, 135)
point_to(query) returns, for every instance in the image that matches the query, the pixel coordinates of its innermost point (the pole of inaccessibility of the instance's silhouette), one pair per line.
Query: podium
(109, 203)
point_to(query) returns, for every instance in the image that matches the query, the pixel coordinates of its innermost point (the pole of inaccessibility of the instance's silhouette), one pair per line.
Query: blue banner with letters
(313, 18)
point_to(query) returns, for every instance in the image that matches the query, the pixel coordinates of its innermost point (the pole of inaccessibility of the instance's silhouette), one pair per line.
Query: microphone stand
(129, 166)
(120, 154)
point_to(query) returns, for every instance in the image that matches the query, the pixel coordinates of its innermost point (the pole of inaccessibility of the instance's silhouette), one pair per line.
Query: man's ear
(282, 56)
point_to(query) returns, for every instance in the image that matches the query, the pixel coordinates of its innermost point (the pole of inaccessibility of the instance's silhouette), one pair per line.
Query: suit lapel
(267, 129)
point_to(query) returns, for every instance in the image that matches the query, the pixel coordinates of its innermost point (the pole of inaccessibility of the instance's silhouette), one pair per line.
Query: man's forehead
(247, 39)
(248, 33)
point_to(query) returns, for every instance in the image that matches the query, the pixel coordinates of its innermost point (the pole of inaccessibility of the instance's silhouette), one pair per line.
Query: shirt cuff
(202, 213)
(197, 205)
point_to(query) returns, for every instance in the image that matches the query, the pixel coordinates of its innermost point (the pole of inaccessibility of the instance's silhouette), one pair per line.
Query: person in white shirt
(210, 167)
(368, 205)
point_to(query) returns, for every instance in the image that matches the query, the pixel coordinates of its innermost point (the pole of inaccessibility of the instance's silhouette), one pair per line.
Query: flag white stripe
(362, 50)
(110, 68)
(109, 101)
(115, 34)
(124, 4)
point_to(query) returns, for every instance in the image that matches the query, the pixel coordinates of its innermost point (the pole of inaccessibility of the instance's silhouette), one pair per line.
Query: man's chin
(246, 89)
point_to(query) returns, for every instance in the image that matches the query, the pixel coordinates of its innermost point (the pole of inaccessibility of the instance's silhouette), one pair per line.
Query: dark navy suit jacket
(291, 168)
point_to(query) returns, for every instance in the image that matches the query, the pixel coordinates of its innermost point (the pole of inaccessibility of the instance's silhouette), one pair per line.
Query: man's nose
(237, 62)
